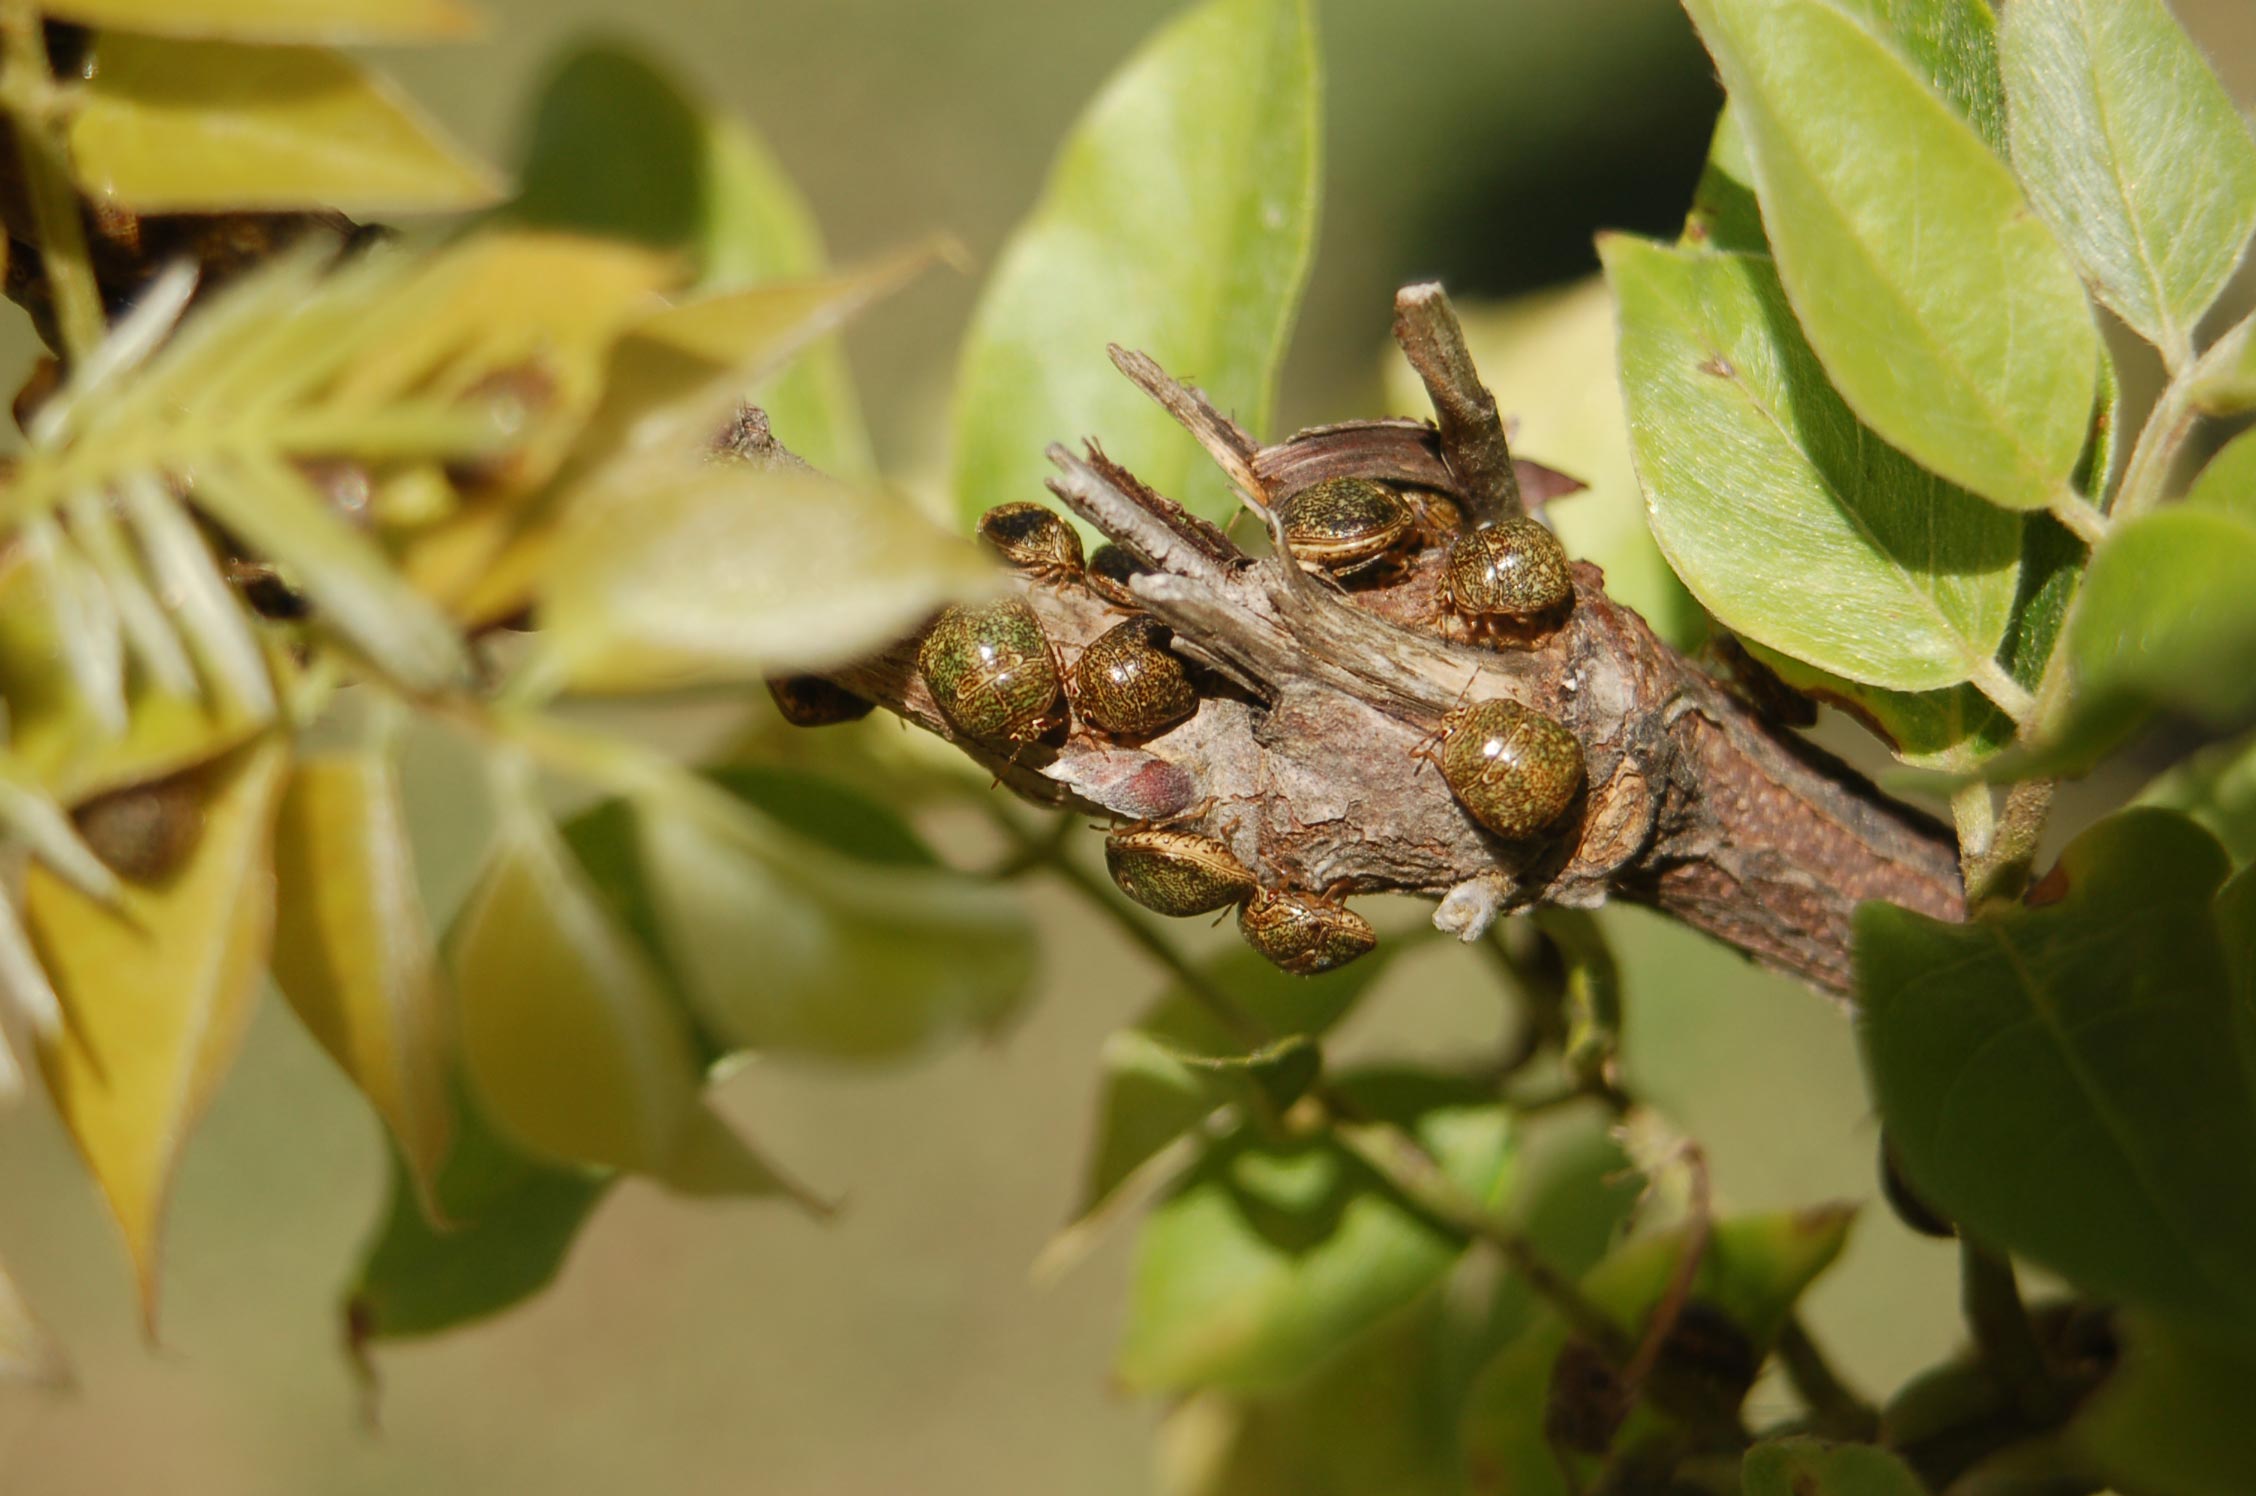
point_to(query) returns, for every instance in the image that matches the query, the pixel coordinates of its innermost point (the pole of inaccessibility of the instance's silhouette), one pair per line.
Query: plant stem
(2146, 476)
(2005, 693)
(2003, 1336)
(1840, 1413)
(2001, 870)
(1392, 1152)
(32, 103)
(2083, 521)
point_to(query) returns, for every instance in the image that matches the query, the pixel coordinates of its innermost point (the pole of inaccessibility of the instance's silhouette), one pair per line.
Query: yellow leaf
(574, 1048)
(352, 951)
(155, 995)
(331, 21)
(173, 126)
(729, 573)
(671, 383)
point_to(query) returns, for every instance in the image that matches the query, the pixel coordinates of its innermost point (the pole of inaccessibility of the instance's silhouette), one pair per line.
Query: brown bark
(1300, 754)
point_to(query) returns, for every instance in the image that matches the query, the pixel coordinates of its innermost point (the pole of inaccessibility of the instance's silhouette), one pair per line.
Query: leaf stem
(1839, 1411)
(1392, 1152)
(2001, 870)
(2005, 693)
(2154, 458)
(2003, 1335)
(33, 104)
(2081, 519)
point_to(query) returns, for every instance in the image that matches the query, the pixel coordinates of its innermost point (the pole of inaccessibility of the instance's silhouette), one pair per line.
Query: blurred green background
(903, 1348)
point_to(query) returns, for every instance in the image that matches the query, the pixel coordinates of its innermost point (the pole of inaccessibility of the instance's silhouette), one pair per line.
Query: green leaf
(796, 945)
(1792, 523)
(2134, 153)
(1951, 730)
(2228, 483)
(730, 573)
(1271, 1254)
(330, 21)
(619, 147)
(193, 126)
(352, 950)
(2227, 384)
(2164, 620)
(156, 993)
(1754, 1270)
(1953, 45)
(2171, 1416)
(1812, 1467)
(1948, 317)
(570, 1042)
(1151, 1098)
(1724, 213)
(2216, 788)
(2068, 1081)
(509, 1219)
(1179, 219)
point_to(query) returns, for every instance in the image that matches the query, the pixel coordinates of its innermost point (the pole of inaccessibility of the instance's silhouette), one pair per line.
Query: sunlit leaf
(1791, 522)
(1178, 219)
(828, 931)
(1754, 1270)
(352, 951)
(332, 21)
(1946, 314)
(732, 573)
(2165, 620)
(2068, 1081)
(2171, 1415)
(1272, 1253)
(618, 146)
(1812, 1467)
(2134, 153)
(156, 993)
(572, 1046)
(2227, 484)
(201, 126)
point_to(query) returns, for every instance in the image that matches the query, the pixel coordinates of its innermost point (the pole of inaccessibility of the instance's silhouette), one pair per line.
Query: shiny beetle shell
(1034, 538)
(1110, 567)
(811, 701)
(1177, 873)
(992, 672)
(1303, 933)
(1515, 770)
(1514, 569)
(1128, 682)
(1345, 525)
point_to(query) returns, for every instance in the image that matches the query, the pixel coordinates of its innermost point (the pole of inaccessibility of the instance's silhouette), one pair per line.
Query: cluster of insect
(994, 674)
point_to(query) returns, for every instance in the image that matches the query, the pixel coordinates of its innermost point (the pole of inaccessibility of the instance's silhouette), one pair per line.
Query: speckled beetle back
(992, 672)
(1128, 682)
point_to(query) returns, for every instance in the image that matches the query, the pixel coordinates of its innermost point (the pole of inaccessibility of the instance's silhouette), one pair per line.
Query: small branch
(1225, 441)
(1839, 1412)
(2003, 1335)
(2001, 871)
(2146, 477)
(1472, 433)
(29, 97)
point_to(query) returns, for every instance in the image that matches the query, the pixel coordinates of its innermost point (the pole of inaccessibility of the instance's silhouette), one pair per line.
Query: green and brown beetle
(1176, 873)
(1109, 571)
(1512, 573)
(992, 672)
(1345, 526)
(1033, 538)
(1128, 683)
(1305, 934)
(1513, 769)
